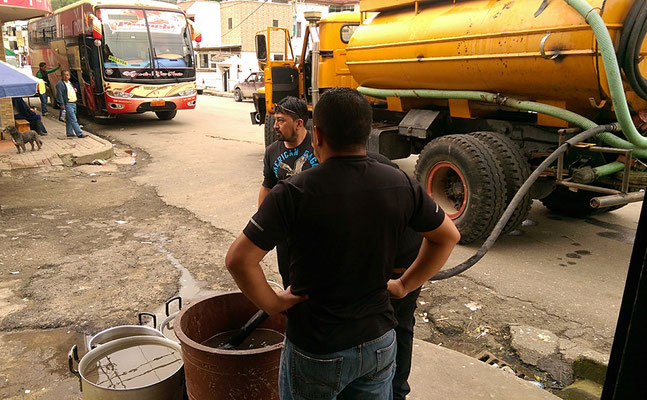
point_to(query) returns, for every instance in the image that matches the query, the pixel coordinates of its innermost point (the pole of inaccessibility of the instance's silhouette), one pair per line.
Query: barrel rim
(186, 341)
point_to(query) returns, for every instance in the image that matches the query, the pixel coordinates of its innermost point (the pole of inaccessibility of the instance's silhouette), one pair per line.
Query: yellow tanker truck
(484, 91)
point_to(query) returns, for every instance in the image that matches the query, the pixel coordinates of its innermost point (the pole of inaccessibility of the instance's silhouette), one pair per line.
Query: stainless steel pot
(165, 327)
(122, 331)
(107, 372)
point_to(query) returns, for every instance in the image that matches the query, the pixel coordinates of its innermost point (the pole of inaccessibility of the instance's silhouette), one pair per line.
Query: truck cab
(320, 64)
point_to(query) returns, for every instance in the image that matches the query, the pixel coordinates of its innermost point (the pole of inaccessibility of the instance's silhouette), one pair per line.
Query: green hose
(612, 71)
(609, 169)
(553, 111)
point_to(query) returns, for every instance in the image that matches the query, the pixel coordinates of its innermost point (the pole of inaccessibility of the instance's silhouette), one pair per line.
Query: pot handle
(153, 316)
(171, 300)
(72, 356)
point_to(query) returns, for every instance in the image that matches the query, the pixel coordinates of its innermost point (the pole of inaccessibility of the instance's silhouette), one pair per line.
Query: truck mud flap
(387, 141)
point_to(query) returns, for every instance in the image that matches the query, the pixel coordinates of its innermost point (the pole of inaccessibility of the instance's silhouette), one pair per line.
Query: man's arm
(242, 261)
(436, 247)
(262, 194)
(49, 71)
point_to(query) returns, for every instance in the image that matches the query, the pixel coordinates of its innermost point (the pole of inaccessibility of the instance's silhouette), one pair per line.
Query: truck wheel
(515, 170)
(166, 115)
(238, 95)
(462, 174)
(270, 134)
(574, 204)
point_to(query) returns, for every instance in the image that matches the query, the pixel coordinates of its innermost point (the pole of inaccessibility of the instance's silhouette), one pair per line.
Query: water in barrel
(259, 338)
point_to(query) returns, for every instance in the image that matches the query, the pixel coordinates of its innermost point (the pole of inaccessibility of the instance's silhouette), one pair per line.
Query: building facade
(227, 53)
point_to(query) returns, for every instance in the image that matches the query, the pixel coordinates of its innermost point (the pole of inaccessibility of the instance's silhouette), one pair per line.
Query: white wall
(207, 20)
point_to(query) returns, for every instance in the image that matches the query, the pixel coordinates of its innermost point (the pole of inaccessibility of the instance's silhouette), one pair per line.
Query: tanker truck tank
(515, 48)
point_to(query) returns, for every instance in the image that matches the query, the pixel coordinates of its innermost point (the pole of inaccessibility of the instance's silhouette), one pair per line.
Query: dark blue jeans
(43, 102)
(362, 372)
(71, 124)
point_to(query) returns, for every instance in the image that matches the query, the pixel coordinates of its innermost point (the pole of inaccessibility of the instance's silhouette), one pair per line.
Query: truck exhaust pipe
(313, 17)
(617, 199)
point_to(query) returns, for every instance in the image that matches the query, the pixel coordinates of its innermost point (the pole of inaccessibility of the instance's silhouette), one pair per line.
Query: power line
(244, 19)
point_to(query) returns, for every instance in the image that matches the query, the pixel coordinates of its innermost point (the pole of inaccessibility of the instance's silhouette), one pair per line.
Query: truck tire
(270, 134)
(462, 174)
(166, 115)
(574, 204)
(515, 170)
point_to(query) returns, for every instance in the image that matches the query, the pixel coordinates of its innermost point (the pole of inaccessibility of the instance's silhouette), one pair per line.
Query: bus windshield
(146, 44)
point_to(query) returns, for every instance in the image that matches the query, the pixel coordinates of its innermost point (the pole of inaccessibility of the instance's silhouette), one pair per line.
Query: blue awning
(15, 83)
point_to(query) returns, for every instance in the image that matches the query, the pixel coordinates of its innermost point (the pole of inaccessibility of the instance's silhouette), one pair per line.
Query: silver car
(246, 88)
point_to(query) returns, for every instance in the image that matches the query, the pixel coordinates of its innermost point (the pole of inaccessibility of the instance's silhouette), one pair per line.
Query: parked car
(246, 88)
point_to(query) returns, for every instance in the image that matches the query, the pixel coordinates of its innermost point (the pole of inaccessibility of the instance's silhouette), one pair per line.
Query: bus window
(127, 50)
(171, 39)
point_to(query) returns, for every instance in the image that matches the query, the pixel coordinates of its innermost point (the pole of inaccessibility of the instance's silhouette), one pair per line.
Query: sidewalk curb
(218, 93)
(80, 157)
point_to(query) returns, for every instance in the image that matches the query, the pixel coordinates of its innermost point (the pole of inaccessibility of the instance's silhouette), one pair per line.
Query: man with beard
(290, 154)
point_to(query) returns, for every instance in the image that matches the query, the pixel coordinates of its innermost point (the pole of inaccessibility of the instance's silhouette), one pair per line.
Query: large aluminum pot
(123, 331)
(131, 368)
(166, 328)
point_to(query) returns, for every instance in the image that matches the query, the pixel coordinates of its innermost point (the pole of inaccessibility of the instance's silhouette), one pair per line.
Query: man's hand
(287, 299)
(396, 288)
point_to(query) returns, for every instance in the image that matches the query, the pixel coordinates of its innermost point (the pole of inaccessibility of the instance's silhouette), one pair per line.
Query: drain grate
(491, 359)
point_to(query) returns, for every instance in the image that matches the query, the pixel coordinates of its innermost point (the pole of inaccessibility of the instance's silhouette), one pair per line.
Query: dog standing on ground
(20, 139)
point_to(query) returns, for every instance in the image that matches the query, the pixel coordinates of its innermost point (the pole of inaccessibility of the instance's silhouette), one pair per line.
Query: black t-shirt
(410, 241)
(343, 221)
(281, 163)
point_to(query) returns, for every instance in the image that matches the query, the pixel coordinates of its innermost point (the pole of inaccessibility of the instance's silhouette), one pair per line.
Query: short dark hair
(64, 71)
(344, 118)
(42, 64)
(293, 107)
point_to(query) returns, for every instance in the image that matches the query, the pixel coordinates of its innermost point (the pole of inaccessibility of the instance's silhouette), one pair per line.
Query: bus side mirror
(196, 35)
(97, 29)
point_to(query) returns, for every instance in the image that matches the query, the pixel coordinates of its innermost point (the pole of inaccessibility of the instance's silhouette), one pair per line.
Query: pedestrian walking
(43, 73)
(66, 96)
(343, 221)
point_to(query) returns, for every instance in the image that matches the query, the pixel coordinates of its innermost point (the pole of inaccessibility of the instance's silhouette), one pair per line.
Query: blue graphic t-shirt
(282, 163)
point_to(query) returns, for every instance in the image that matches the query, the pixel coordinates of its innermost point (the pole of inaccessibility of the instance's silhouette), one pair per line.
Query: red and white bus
(126, 56)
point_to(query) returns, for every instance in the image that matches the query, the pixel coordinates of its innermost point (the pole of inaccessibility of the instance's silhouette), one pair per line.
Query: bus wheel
(270, 134)
(515, 170)
(465, 178)
(166, 115)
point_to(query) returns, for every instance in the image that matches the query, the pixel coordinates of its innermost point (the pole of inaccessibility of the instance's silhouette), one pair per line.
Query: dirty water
(134, 366)
(259, 338)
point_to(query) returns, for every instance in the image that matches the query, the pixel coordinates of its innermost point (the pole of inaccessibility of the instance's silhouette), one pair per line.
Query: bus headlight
(188, 92)
(119, 94)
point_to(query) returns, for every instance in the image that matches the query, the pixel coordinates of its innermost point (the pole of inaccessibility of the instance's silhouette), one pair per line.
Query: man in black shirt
(343, 221)
(290, 154)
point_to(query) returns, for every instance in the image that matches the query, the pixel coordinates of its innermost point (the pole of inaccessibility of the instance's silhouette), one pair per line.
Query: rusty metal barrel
(213, 373)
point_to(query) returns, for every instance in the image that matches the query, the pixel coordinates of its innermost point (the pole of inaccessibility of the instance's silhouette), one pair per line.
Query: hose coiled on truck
(633, 34)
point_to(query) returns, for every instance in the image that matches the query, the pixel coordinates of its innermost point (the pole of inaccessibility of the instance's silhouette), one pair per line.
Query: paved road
(209, 161)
